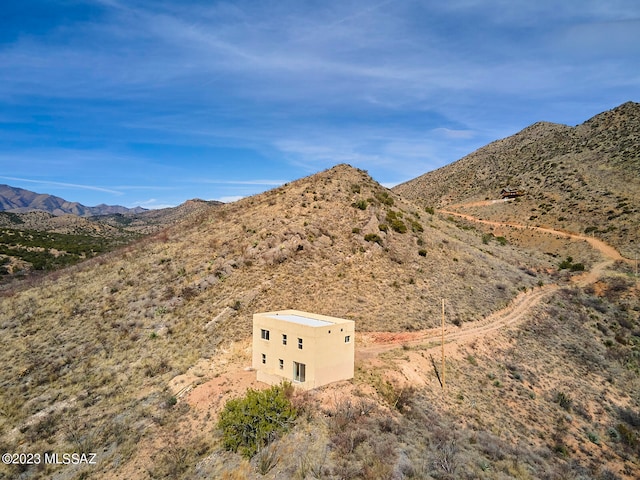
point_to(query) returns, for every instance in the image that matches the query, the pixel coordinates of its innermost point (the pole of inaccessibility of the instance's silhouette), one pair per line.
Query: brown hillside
(583, 179)
(98, 356)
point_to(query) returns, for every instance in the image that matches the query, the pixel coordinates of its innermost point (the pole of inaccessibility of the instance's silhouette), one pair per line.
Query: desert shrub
(630, 416)
(360, 204)
(254, 421)
(267, 459)
(416, 227)
(564, 400)
(156, 366)
(175, 460)
(188, 293)
(372, 237)
(384, 198)
(627, 435)
(595, 303)
(565, 264)
(569, 265)
(393, 219)
(422, 252)
(399, 226)
(429, 210)
(616, 286)
(396, 396)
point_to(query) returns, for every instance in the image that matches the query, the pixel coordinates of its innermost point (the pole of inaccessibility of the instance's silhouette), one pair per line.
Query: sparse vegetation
(251, 423)
(372, 237)
(568, 264)
(150, 343)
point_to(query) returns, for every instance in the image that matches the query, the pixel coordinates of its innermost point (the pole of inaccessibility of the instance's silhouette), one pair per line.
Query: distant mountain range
(19, 200)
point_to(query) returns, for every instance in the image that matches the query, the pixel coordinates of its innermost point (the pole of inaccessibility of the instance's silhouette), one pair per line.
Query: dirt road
(231, 377)
(379, 342)
(604, 248)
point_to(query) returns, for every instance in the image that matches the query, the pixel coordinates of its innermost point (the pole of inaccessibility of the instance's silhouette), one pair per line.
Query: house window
(299, 372)
(281, 363)
(347, 339)
(264, 334)
(300, 343)
(264, 358)
(284, 338)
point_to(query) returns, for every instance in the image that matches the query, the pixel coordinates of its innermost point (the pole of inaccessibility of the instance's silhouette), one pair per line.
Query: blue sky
(152, 103)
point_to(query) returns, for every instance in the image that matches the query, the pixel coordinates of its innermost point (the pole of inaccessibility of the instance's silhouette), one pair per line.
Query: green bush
(393, 219)
(360, 204)
(372, 237)
(569, 265)
(252, 422)
(416, 227)
(384, 198)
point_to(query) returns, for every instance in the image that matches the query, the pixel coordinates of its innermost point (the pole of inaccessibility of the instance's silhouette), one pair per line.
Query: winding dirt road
(604, 248)
(379, 342)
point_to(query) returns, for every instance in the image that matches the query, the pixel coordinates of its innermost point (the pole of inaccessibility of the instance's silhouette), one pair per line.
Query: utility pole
(443, 382)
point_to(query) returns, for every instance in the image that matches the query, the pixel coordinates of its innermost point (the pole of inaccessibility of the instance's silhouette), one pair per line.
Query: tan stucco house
(308, 349)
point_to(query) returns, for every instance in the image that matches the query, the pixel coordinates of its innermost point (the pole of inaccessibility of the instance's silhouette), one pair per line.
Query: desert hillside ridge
(38, 241)
(134, 353)
(582, 179)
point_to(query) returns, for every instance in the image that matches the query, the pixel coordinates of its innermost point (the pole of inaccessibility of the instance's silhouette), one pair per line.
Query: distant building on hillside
(308, 349)
(509, 193)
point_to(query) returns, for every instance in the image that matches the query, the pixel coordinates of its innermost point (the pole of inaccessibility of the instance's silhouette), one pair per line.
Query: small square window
(347, 339)
(300, 343)
(281, 363)
(264, 334)
(264, 358)
(284, 338)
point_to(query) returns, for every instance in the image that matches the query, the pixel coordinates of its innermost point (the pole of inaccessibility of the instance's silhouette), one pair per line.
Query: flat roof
(308, 321)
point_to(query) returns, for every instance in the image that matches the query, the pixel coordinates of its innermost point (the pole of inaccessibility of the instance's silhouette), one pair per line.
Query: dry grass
(89, 351)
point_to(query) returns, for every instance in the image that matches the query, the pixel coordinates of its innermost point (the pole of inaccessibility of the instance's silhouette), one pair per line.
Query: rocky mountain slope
(91, 351)
(584, 178)
(19, 200)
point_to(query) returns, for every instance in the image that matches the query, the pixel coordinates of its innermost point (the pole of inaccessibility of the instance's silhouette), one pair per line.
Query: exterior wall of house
(327, 351)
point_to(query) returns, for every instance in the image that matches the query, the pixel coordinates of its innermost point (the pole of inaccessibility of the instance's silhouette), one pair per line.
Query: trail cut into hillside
(379, 342)
(605, 249)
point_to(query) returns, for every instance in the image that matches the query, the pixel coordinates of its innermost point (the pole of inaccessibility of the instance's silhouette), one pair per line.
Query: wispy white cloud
(63, 184)
(155, 91)
(455, 134)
